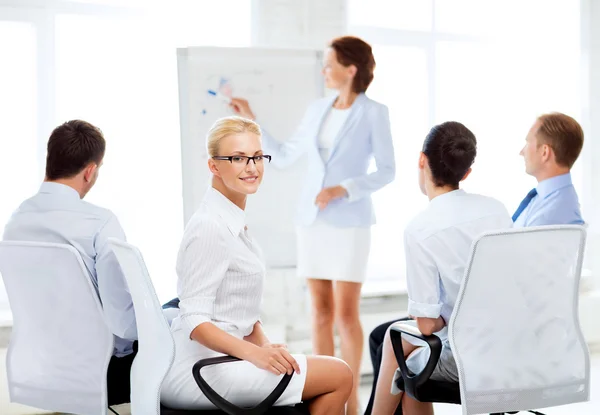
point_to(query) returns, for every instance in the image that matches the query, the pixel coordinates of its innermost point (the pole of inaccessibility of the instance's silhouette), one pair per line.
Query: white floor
(589, 408)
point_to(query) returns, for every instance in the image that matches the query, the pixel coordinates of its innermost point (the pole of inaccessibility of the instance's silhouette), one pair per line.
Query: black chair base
(444, 392)
(436, 391)
(300, 409)
(506, 413)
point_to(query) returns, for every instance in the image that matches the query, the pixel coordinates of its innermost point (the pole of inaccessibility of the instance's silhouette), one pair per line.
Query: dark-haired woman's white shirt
(438, 242)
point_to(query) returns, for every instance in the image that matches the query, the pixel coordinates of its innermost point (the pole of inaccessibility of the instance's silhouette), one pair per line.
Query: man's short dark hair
(71, 147)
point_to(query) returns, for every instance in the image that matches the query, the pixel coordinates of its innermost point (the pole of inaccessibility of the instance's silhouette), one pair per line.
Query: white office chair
(514, 332)
(156, 350)
(60, 346)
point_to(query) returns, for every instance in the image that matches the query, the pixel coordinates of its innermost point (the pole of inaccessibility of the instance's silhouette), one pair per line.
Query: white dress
(220, 280)
(325, 251)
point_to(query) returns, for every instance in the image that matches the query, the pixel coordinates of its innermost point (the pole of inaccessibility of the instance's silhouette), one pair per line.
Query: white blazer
(365, 134)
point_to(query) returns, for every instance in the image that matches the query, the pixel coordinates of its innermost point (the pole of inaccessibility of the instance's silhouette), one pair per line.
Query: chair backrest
(515, 330)
(156, 348)
(60, 346)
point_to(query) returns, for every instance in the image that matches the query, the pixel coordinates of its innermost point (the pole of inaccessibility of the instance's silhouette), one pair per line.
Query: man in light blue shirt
(58, 214)
(552, 146)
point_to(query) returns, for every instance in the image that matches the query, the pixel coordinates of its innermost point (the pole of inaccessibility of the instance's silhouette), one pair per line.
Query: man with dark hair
(551, 148)
(58, 214)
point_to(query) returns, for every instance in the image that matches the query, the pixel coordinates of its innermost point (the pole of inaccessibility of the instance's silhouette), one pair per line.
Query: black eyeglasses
(244, 160)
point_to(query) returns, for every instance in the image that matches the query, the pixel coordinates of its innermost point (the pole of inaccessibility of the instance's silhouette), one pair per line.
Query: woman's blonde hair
(226, 126)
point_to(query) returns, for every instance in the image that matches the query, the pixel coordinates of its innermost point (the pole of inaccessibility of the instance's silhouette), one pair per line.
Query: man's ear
(89, 171)
(214, 169)
(547, 153)
(466, 174)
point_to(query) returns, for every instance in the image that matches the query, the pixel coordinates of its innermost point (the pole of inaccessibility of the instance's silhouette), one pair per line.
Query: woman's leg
(376, 340)
(411, 406)
(328, 385)
(386, 403)
(347, 321)
(321, 294)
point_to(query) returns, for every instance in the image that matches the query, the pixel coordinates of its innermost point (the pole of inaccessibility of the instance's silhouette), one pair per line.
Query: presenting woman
(341, 134)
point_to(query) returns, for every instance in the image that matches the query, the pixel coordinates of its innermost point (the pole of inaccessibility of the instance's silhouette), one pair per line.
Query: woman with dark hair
(341, 134)
(437, 246)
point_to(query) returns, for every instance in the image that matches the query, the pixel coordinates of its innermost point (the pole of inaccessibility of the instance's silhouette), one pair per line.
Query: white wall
(297, 23)
(590, 11)
(590, 199)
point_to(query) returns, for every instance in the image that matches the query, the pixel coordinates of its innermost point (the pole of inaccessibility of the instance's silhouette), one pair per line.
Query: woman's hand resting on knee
(274, 358)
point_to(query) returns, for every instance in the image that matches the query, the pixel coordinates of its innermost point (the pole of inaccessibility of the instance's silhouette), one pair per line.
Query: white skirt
(327, 252)
(241, 383)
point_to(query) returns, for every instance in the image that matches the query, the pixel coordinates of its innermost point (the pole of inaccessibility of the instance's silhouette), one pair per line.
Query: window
(480, 63)
(400, 82)
(393, 14)
(113, 64)
(18, 104)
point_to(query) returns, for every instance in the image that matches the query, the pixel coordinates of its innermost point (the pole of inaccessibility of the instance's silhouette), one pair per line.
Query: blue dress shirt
(57, 214)
(556, 203)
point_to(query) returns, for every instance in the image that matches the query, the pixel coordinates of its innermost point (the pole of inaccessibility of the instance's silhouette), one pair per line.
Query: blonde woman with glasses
(220, 282)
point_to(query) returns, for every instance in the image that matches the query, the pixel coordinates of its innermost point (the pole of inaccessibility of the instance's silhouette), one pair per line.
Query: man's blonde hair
(563, 134)
(226, 126)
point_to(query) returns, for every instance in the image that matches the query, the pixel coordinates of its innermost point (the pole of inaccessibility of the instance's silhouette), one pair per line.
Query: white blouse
(220, 270)
(330, 129)
(437, 244)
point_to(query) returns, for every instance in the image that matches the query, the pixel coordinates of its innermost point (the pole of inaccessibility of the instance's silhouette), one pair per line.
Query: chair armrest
(412, 381)
(227, 406)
